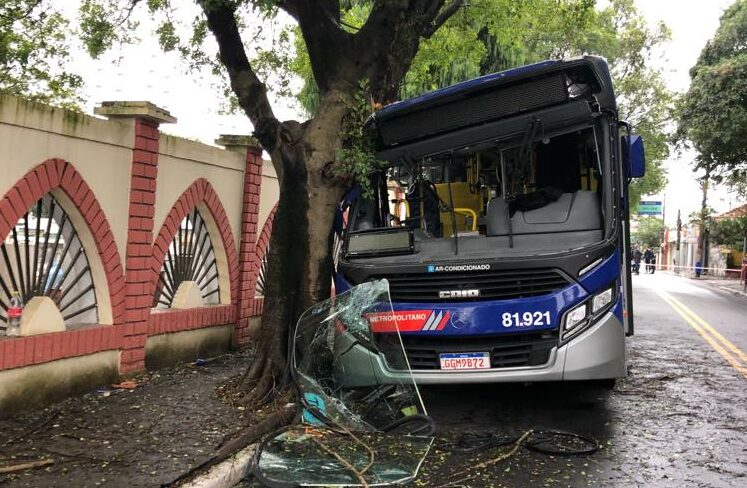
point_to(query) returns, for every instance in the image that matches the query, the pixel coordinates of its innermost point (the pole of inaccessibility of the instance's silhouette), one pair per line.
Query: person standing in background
(648, 256)
(637, 254)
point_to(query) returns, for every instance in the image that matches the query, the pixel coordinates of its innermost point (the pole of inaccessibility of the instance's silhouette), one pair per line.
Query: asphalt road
(679, 419)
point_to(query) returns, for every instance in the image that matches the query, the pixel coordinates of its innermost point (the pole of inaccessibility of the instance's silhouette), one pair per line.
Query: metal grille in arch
(43, 256)
(190, 258)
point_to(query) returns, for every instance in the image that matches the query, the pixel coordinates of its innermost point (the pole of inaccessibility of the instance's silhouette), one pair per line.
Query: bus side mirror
(634, 156)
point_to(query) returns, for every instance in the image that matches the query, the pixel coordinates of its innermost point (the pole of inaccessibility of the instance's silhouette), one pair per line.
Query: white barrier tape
(671, 266)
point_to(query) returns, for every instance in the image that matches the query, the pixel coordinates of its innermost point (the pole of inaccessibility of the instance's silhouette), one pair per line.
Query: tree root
(254, 371)
(269, 424)
(262, 391)
(262, 382)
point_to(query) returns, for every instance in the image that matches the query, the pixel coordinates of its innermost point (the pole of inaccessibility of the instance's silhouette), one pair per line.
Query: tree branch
(249, 89)
(329, 8)
(390, 38)
(442, 17)
(382, 21)
(323, 34)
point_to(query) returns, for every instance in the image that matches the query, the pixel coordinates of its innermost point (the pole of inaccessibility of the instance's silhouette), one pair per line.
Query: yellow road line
(706, 326)
(735, 363)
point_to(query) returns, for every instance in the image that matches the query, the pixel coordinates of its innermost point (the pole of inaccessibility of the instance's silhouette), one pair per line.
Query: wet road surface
(679, 419)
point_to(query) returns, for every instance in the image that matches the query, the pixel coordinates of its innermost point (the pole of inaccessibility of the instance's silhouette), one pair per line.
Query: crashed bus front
(500, 223)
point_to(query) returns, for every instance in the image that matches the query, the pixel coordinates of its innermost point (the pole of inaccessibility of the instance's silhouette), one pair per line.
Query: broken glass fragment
(355, 413)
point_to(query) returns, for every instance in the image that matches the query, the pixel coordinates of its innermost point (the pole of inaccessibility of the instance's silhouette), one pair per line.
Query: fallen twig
(24, 466)
(34, 429)
(371, 453)
(489, 462)
(342, 461)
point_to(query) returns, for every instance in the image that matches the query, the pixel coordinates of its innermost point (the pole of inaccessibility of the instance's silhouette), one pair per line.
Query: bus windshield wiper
(451, 205)
(534, 130)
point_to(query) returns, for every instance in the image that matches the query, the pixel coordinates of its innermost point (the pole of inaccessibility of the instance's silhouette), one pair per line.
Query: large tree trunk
(299, 263)
(301, 240)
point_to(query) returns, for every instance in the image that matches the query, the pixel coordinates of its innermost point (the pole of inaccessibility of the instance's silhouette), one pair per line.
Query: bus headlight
(584, 315)
(575, 316)
(601, 300)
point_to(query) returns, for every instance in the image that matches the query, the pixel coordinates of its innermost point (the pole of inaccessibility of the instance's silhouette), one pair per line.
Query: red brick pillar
(248, 259)
(143, 173)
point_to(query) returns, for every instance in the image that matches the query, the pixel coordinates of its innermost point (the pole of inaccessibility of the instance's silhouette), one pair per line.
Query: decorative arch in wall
(199, 204)
(56, 180)
(263, 247)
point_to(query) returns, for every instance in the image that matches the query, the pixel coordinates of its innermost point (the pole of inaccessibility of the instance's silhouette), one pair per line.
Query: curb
(712, 284)
(732, 290)
(226, 473)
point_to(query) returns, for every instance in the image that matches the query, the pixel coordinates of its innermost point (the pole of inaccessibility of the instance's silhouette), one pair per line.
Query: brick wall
(248, 257)
(57, 174)
(138, 272)
(86, 164)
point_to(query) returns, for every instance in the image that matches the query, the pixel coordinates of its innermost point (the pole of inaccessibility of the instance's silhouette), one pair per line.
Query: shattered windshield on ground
(359, 428)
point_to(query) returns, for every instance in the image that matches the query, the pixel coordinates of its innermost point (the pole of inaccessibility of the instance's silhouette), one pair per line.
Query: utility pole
(679, 239)
(663, 238)
(704, 220)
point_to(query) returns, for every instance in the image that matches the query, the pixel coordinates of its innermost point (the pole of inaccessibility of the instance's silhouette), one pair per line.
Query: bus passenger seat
(571, 219)
(496, 217)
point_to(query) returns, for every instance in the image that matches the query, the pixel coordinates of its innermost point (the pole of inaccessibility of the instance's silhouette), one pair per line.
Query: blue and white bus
(500, 220)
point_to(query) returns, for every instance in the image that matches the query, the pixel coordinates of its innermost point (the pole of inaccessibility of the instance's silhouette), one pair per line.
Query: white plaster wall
(269, 196)
(181, 162)
(100, 150)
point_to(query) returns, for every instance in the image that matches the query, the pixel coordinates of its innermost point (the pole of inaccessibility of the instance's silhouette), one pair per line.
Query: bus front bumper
(596, 353)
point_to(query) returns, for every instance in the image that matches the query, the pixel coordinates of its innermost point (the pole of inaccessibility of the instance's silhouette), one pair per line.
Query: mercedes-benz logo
(459, 320)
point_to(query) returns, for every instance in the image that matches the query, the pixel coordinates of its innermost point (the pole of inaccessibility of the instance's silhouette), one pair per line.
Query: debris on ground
(125, 385)
(171, 422)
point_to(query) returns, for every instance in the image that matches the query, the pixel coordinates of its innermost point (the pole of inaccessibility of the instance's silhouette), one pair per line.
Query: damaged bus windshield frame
(394, 235)
(501, 223)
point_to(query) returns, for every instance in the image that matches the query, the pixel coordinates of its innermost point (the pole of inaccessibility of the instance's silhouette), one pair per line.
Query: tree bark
(300, 257)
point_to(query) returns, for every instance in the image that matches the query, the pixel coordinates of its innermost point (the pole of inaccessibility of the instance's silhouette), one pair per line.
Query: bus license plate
(465, 360)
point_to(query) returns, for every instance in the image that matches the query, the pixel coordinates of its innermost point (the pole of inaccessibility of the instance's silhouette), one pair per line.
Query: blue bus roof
(464, 86)
(596, 63)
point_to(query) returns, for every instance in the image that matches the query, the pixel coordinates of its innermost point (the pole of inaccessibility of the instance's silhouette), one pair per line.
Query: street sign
(650, 207)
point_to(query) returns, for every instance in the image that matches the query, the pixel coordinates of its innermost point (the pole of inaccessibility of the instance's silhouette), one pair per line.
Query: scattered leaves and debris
(136, 433)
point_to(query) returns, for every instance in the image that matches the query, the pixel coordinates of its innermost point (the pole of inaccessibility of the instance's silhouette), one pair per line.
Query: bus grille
(506, 351)
(492, 285)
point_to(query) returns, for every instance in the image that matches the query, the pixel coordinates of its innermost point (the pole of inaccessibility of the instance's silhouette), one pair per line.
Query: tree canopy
(729, 232)
(713, 113)
(649, 232)
(35, 53)
(493, 35)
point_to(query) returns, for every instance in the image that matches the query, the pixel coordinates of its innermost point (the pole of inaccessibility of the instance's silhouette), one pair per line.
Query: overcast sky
(143, 72)
(692, 23)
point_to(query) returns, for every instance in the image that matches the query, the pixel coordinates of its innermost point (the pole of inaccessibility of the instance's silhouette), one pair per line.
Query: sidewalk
(170, 422)
(730, 285)
(726, 284)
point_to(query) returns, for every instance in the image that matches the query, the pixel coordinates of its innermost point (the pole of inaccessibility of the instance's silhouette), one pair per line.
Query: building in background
(682, 248)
